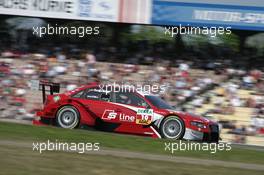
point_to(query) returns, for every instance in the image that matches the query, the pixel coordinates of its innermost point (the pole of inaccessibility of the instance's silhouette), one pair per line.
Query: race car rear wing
(45, 86)
(52, 88)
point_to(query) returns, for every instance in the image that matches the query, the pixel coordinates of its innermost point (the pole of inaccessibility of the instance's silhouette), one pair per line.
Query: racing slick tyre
(172, 128)
(68, 117)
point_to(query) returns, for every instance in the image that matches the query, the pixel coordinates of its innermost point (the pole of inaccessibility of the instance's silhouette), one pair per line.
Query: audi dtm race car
(123, 112)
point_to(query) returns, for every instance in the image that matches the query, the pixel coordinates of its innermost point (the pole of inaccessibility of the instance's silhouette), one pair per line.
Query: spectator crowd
(187, 87)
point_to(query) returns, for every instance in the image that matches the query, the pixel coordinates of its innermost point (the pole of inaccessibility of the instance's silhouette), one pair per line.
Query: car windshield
(158, 102)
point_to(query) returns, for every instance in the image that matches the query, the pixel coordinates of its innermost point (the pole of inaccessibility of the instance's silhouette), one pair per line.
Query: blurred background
(219, 77)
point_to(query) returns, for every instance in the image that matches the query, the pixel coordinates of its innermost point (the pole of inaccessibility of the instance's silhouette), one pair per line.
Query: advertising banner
(97, 10)
(200, 14)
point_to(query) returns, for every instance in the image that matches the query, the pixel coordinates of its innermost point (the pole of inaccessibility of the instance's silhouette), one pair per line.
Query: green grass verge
(16, 160)
(18, 132)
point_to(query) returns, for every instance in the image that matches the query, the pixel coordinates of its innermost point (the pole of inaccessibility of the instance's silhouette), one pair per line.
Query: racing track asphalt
(146, 156)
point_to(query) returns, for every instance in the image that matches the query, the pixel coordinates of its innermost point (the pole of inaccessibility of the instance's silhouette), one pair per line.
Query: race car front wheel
(68, 117)
(172, 128)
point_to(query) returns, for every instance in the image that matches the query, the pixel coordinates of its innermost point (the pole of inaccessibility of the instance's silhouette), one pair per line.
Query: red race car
(123, 112)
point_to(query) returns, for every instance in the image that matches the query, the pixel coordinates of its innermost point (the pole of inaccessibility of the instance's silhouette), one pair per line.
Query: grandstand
(75, 74)
(215, 77)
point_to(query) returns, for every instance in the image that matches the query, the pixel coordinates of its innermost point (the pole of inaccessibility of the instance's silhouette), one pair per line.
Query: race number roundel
(144, 116)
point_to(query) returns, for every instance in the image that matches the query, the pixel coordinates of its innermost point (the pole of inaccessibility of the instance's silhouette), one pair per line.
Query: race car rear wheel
(172, 128)
(68, 117)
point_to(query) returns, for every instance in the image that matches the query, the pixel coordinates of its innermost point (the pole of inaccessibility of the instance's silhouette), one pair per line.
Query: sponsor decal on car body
(144, 116)
(112, 115)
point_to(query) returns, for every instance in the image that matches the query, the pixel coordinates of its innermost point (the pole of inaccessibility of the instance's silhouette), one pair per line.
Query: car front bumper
(212, 136)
